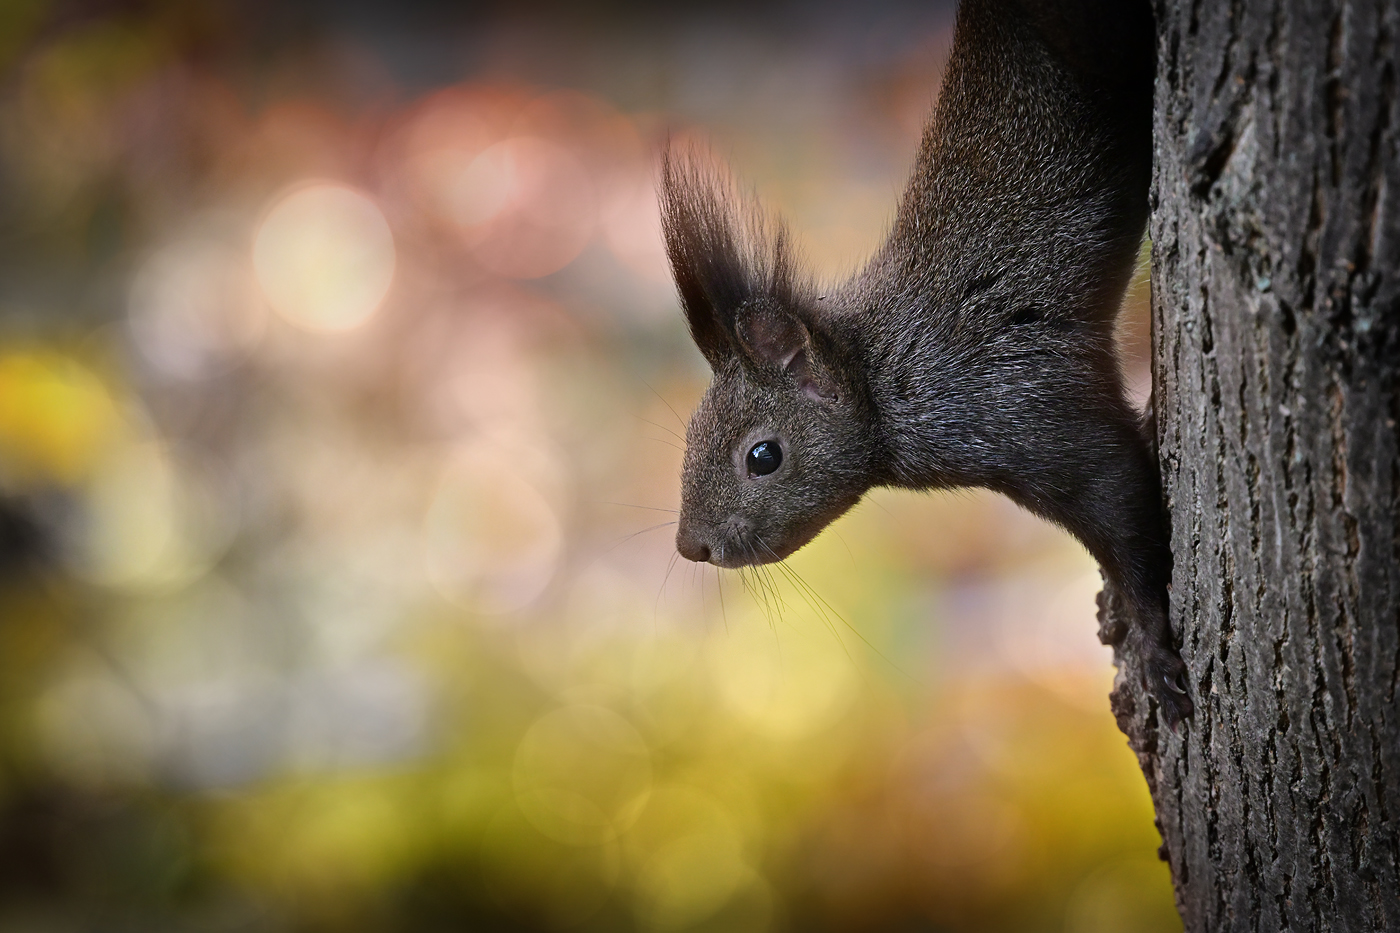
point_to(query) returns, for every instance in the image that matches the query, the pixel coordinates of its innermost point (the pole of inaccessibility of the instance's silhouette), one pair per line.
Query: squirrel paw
(1166, 681)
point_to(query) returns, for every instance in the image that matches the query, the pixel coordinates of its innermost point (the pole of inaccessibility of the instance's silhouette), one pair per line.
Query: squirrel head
(780, 444)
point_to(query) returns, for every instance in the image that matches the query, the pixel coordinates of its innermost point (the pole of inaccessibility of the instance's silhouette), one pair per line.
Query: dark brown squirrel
(975, 348)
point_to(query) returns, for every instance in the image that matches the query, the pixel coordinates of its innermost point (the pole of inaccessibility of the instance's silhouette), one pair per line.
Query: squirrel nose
(691, 547)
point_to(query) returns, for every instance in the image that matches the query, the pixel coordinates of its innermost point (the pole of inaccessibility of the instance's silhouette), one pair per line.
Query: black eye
(764, 458)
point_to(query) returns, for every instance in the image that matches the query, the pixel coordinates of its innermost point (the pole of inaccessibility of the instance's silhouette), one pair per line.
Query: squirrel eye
(764, 458)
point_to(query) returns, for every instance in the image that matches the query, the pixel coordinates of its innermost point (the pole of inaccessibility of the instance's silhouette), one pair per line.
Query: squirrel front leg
(1104, 489)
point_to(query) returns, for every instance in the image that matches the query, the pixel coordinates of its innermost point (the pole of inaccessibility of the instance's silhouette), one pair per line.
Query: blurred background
(342, 391)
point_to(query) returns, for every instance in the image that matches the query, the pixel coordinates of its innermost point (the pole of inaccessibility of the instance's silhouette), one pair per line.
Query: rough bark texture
(1276, 305)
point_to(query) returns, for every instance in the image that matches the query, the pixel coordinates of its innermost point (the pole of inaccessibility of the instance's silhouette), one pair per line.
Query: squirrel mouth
(731, 545)
(747, 548)
(735, 544)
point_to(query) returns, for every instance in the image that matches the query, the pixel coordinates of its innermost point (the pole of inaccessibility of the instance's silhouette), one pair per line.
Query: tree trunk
(1276, 315)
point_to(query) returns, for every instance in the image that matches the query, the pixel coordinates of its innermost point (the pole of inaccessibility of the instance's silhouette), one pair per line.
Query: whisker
(855, 631)
(719, 584)
(766, 595)
(846, 546)
(664, 402)
(816, 608)
(634, 534)
(879, 505)
(704, 610)
(656, 605)
(807, 588)
(744, 582)
(768, 571)
(662, 440)
(764, 592)
(759, 595)
(660, 427)
(628, 505)
(777, 591)
(790, 574)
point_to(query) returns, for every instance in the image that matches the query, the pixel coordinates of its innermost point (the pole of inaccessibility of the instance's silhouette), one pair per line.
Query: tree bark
(1276, 316)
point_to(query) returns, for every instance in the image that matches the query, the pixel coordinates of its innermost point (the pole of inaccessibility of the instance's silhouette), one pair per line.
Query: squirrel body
(975, 348)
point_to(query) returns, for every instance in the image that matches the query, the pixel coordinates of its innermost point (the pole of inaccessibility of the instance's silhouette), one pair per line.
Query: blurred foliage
(341, 387)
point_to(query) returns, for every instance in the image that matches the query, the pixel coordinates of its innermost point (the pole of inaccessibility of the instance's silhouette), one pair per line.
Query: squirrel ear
(726, 255)
(770, 334)
(774, 336)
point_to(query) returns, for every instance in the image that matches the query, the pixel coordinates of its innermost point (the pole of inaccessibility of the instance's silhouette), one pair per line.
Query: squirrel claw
(1176, 708)
(1166, 680)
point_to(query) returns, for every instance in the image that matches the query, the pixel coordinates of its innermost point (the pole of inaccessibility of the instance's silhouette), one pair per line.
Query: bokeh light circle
(149, 522)
(689, 858)
(582, 774)
(492, 538)
(526, 205)
(192, 307)
(324, 257)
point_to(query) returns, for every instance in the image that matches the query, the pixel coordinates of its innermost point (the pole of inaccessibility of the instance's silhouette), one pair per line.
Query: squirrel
(975, 347)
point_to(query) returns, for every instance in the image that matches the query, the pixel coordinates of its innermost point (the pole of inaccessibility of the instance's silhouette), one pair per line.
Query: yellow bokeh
(56, 418)
(688, 856)
(786, 675)
(582, 773)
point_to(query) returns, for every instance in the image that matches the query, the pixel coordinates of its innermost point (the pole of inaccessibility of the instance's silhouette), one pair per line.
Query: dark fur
(976, 347)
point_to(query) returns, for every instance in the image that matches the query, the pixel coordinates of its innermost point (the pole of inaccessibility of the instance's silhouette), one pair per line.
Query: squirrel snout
(690, 545)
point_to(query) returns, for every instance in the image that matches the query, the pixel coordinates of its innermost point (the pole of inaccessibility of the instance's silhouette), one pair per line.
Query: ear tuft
(725, 252)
